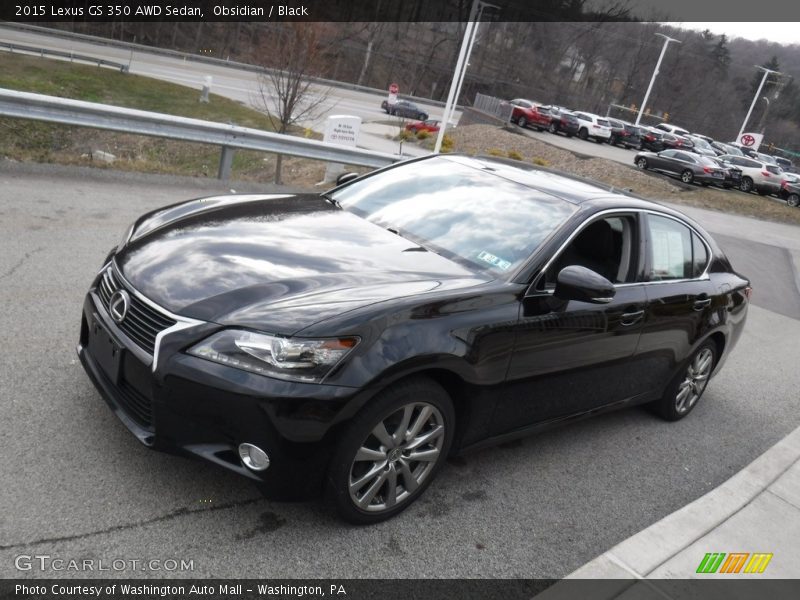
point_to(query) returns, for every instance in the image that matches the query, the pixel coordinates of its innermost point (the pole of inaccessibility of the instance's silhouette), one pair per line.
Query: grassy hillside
(43, 142)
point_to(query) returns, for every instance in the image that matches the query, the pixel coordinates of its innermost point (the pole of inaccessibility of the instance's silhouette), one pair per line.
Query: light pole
(461, 67)
(667, 40)
(755, 98)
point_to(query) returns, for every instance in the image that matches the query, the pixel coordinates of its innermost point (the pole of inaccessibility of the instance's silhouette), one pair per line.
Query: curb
(642, 553)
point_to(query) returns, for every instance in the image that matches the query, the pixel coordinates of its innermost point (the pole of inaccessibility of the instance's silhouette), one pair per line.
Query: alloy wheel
(793, 200)
(695, 381)
(642, 163)
(687, 176)
(522, 121)
(396, 457)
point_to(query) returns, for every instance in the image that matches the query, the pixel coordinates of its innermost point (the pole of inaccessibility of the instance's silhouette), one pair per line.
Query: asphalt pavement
(76, 484)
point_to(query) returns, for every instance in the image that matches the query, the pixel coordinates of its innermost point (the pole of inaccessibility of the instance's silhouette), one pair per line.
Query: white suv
(762, 177)
(673, 129)
(593, 126)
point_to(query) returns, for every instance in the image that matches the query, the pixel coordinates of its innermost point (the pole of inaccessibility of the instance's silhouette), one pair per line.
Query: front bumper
(190, 406)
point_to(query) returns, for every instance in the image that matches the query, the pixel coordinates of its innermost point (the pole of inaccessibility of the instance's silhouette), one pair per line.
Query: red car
(526, 113)
(431, 126)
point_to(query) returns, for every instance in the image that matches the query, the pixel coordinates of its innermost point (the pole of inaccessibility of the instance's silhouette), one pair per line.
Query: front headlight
(295, 359)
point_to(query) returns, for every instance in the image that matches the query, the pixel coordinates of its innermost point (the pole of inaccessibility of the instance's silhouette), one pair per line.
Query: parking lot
(77, 484)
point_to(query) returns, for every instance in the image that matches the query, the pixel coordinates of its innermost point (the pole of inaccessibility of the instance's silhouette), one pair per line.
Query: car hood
(277, 263)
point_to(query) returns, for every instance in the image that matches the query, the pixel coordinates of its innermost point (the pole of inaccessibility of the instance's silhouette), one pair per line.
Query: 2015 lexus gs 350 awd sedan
(347, 343)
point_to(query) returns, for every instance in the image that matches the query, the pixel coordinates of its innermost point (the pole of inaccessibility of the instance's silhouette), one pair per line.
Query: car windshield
(463, 212)
(701, 143)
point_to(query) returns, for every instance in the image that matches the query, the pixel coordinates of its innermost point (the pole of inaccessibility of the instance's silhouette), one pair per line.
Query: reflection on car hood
(277, 263)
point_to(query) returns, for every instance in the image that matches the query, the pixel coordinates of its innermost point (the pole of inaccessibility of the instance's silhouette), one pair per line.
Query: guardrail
(39, 107)
(100, 62)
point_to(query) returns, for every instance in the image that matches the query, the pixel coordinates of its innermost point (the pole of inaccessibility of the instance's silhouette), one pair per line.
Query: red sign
(393, 88)
(748, 140)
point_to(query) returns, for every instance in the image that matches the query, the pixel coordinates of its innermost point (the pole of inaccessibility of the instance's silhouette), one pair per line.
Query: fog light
(253, 457)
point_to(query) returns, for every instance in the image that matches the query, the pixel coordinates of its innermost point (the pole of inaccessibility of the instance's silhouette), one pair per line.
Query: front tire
(522, 122)
(583, 133)
(746, 184)
(641, 163)
(687, 176)
(391, 451)
(793, 200)
(688, 386)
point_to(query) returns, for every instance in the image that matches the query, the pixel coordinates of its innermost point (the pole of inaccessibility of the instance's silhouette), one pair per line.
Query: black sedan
(347, 343)
(404, 108)
(688, 166)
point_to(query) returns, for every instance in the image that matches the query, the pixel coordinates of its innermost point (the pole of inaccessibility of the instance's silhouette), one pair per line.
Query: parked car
(624, 134)
(756, 175)
(689, 167)
(651, 139)
(722, 148)
(525, 112)
(703, 137)
(673, 129)
(349, 342)
(766, 158)
(593, 126)
(733, 175)
(790, 191)
(785, 164)
(562, 121)
(404, 108)
(701, 146)
(430, 125)
(749, 152)
(677, 142)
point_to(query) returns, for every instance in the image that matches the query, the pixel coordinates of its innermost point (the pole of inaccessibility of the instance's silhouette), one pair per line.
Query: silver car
(757, 176)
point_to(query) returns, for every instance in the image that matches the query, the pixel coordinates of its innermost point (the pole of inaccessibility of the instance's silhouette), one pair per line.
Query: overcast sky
(783, 33)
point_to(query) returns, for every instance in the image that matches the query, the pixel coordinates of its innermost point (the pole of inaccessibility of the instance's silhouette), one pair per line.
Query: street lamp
(667, 40)
(461, 66)
(755, 98)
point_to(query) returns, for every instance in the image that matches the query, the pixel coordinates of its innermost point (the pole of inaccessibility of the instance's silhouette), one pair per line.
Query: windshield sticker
(495, 261)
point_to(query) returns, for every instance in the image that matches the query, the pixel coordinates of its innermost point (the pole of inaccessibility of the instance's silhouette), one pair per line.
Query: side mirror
(582, 284)
(345, 177)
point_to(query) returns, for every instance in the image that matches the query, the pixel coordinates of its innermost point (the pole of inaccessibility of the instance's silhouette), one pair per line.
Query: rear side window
(670, 245)
(773, 169)
(602, 122)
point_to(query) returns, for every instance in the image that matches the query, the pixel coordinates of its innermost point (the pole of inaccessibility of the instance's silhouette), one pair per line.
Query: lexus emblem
(118, 305)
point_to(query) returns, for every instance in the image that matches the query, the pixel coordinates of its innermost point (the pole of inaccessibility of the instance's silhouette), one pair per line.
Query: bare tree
(294, 53)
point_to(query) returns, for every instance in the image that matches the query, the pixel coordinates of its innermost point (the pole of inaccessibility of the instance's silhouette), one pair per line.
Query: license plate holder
(105, 350)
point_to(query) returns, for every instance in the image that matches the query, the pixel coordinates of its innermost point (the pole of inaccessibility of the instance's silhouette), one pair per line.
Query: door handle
(701, 304)
(631, 318)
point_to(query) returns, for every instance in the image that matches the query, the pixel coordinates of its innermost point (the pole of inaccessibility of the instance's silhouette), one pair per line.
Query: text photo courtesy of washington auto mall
(400, 299)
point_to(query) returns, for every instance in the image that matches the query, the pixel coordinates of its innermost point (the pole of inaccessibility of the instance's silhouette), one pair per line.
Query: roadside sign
(342, 130)
(751, 140)
(393, 89)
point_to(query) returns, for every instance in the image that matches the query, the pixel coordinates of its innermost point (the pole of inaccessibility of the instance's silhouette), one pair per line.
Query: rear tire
(553, 128)
(373, 475)
(685, 390)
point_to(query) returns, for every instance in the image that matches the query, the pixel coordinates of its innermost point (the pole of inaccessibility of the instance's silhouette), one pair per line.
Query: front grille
(142, 323)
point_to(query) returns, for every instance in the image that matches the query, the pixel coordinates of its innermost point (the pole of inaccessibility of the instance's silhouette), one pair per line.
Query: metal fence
(25, 105)
(493, 106)
(100, 62)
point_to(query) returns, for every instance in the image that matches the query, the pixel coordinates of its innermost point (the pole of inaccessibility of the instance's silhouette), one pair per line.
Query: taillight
(748, 291)
(707, 169)
(765, 173)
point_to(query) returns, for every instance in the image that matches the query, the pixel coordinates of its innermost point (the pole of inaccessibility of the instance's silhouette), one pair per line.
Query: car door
(572, 357)
(664, 161)
(680, 297)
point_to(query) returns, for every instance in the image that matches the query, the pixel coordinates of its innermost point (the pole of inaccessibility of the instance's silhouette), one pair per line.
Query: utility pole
(667, 40)
(755, 98)
(461, 67)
